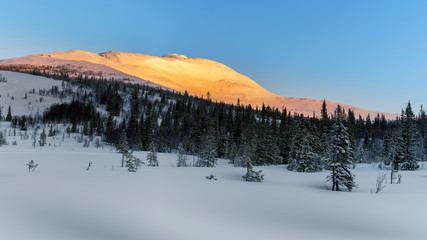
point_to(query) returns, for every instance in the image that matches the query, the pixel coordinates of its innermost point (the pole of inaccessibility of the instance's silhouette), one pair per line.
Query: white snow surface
(60, 200)
(12, 93)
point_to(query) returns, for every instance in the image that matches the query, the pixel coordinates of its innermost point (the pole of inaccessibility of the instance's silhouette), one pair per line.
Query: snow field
(61, 200)
(18, 85)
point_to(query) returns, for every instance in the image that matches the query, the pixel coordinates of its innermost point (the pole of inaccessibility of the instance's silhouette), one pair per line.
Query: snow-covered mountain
(197, 76)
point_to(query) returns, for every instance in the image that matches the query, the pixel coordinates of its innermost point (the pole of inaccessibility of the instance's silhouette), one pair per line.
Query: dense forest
(185, 124)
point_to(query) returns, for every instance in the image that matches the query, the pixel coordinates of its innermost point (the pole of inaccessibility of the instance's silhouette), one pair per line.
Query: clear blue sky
(370, 54)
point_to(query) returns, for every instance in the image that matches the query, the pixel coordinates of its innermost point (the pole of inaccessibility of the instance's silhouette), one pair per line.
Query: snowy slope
(61, 200)
(12, 93)
(196, 75)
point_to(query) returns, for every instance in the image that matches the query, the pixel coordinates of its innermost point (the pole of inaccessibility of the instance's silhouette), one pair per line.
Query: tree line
(178, 122)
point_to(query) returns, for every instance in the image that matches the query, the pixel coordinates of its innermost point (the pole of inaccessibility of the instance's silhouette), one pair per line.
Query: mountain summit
(197, 76)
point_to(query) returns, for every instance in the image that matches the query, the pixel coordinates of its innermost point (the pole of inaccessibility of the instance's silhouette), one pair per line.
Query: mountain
(197, 76)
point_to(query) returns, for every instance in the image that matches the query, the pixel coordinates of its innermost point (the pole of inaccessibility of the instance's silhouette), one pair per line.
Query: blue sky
(370, 54)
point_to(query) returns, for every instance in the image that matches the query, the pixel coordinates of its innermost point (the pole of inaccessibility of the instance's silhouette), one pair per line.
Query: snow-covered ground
(17, 93)
(60, 200)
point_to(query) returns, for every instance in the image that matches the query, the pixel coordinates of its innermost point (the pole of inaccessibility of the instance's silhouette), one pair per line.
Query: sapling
(31, 166)
(380, 185)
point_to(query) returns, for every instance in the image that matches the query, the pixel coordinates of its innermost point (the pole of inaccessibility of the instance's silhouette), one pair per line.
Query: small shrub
(211, 177)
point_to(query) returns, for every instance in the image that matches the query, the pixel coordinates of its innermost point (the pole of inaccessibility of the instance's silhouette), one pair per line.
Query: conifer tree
(182, 158)
(303, 159)
(51, 131)
(341, 156)
(398, 152)
(267, 151)
(123, 146)
(109, 130)
(251, 175)
(207, 156)
(131, 162)
(410, 138)
(325, 130)
(9, 114)
(152, 156)
(42, 140)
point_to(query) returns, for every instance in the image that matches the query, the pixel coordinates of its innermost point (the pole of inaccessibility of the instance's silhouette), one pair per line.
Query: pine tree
(267, 151)
(42, 140)
(152, 156)
(410, 137)
(109, 131)
(207, 156)
(9, 114)
(131, 162)
(387, 148)
(182, 158)
(342, 153)
(325, 131)
(398, 151)
(51, 131)
(303, 159)
(123, 146)
(251, 175)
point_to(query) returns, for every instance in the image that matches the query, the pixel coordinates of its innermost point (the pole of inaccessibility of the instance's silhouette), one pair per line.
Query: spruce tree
(410, 137)
(152, 156)
(109, 130)
(131, 162)
(303, 159)
(208, 154)
(123, 146)
(9, 114)
(182, 158)
(325, 131)
(251, 175)
(42, 140)
(51, 131)
(398, 151)
(341, 156)
(267, 151)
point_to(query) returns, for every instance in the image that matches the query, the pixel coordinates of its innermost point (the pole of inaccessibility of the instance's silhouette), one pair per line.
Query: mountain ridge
(197, 76)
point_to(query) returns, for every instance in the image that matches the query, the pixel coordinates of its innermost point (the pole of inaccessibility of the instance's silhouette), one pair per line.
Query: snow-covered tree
(342, 153)
(152, 156)
(410, 137)
(2, 139)
(9, 114)
(267, 151)
(251, 175)
(182, 158)
(123, 146)
(303, 159)
(42, 140)
(207, 156)
(131, 163)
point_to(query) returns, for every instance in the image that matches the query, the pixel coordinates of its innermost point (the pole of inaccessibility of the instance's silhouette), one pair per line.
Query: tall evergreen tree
(303, 159)
(182, 158)
(152, 156)
(342, 153)
(207, 156)
(123, 146)
(42, 140)
(9, 114)
(410, 137)
(325, 130)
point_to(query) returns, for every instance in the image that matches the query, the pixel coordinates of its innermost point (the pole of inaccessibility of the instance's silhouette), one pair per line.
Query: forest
(181, 123)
